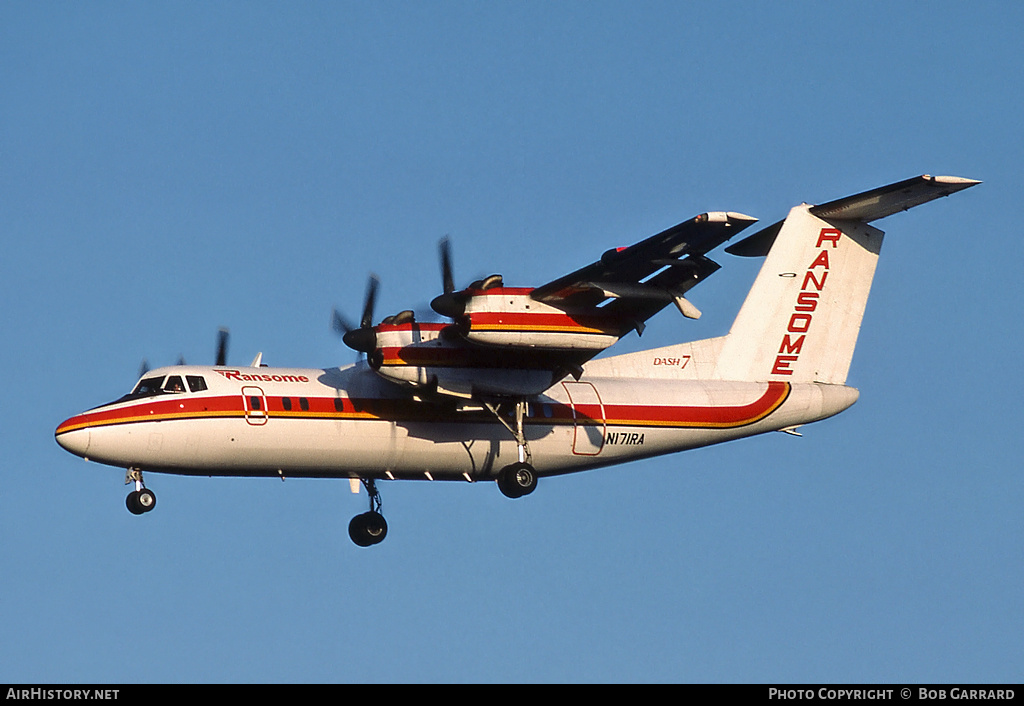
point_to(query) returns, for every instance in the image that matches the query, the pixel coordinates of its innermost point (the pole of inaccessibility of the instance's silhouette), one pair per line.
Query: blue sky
(169, 168)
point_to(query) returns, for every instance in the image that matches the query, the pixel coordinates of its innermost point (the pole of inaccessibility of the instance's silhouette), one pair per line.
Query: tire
(517, 480)
(368, 529)
(132, 501)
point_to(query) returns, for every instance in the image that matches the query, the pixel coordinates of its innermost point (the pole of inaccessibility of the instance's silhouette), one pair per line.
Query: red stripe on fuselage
(187, 408)
(701, 417)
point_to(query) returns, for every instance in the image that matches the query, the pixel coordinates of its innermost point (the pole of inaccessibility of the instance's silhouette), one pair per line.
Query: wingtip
(736, 216)
(962, 182)
(732, 217)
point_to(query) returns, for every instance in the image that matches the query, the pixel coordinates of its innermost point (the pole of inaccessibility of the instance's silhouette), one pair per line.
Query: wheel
(368, 529)
(132, 501)
(146, 499)
(140, 501)
(517, 480)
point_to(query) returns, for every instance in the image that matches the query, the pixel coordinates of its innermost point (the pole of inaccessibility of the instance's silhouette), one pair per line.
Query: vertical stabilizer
(800, 320)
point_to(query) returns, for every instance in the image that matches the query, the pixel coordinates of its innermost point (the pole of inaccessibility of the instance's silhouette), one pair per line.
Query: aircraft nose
(73, 439)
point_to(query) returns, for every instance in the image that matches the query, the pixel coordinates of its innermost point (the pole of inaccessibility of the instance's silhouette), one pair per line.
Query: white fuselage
(349, 423)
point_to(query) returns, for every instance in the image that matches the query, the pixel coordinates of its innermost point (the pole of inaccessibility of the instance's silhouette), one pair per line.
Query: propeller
(362, 338)
(222, 347)
(222, 353)
(447, 280)
(451, 303)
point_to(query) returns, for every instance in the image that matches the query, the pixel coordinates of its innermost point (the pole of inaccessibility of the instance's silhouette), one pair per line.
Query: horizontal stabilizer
(887, 200)
(864, 207)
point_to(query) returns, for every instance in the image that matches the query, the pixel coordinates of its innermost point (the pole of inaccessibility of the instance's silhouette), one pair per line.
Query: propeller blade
(450, 303)
(143, 368)
(371, 299)
(339, 323)
(222, 347)
(447, 279)
(362, 338)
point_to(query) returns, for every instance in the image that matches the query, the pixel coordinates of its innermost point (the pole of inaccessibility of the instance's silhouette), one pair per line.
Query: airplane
(511, 388)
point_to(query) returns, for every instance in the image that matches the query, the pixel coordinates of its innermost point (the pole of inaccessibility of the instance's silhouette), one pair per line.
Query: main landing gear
(142, 499)
(517, 479)
(369, 528)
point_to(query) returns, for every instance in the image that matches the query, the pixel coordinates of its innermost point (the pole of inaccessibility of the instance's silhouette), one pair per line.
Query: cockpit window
(150, 387)
(147, 387)
(174, 384)
(161, 385)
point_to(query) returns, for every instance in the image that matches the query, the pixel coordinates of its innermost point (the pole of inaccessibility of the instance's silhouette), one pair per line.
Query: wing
(624, 274)
(516, 342)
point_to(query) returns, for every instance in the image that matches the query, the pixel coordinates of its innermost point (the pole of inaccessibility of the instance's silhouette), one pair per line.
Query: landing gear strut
(520, 478)
(142, 499)
(369, 528)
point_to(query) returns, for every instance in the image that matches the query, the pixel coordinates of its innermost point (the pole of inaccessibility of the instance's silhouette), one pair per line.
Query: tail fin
(801, 318)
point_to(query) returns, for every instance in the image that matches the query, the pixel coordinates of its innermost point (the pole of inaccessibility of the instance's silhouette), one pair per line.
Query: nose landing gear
(142, 499)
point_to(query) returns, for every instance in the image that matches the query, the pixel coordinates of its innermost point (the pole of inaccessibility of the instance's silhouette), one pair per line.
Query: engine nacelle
(431, 357)
(510, 317)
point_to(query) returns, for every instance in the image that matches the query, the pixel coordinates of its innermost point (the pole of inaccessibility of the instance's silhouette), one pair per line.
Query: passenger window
(174, 384)
(287, 402)
(339, 405)
(255, 404)
(196, 383)
(304, 403)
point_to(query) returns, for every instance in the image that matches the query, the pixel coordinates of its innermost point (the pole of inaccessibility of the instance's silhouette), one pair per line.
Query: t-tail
(800, 321)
